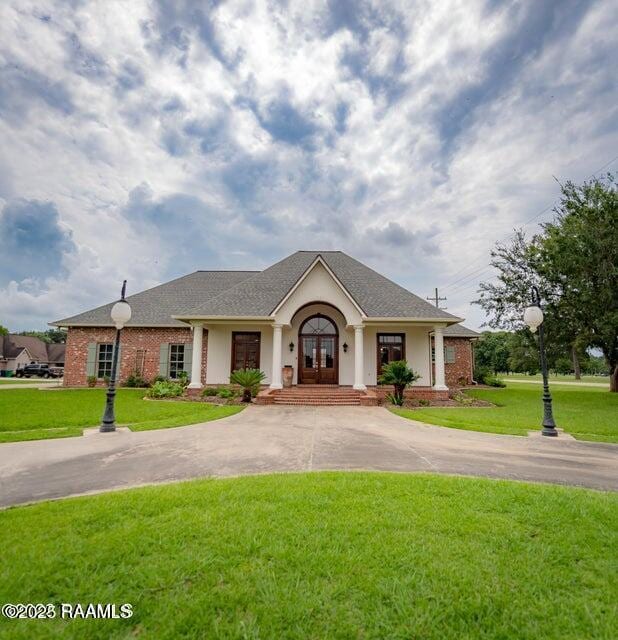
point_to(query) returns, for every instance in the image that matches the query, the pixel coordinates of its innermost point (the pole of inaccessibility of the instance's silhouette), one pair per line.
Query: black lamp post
(121, 314)
(533, 317)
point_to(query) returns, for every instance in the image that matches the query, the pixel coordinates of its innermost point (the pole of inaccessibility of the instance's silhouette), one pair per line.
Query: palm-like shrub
(400, 376)
(249, 380)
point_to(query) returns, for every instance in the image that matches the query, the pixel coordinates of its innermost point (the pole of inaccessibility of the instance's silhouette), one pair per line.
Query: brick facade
(458, 373)
(140, 349)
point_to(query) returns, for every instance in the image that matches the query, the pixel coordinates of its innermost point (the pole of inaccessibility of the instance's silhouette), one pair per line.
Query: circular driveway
(264, 439)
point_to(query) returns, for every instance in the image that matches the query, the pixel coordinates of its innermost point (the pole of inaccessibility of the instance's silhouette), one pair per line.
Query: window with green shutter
(449, 355)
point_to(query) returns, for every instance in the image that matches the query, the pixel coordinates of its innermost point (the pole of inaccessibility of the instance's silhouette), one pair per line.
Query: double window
(105, 354)
(177, 360)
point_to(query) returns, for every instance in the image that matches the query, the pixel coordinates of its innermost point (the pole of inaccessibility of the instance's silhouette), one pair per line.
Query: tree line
(516, 352)
(573, 260)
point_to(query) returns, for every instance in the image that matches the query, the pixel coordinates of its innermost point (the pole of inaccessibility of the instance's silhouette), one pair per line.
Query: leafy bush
(165, 389)
(183, 379)
(159, 378)
(106, 379)
(400, 376)
(135, 380)
(423, 402)
(91, 381)
(393, 399)
(484, 376)
(492, 381)
(226, 393)
(209, 392)
(249, 380)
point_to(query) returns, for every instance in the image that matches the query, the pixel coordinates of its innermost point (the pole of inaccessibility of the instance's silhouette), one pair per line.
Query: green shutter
(164, 359)
(188, 358)
(449, 353)
(91, 360)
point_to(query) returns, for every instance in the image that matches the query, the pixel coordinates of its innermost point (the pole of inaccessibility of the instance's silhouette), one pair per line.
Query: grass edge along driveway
(587, 413)
(33, 414)
(322, 555)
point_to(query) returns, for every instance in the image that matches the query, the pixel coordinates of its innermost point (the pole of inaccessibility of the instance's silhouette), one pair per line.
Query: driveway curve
(283, 439)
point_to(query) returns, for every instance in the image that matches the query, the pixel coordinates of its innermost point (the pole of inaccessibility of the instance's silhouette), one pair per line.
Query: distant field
(556, 378)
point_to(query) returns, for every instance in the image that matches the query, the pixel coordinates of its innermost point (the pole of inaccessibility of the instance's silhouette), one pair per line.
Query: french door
(318, 361)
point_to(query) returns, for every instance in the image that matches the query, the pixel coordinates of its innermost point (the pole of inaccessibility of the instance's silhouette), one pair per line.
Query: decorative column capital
(358, 327)
(197, 324)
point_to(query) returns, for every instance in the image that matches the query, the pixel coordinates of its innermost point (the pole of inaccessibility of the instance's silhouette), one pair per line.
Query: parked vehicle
(39, 370)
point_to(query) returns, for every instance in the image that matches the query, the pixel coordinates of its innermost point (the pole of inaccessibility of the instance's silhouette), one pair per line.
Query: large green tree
(578, 256)
(3, 331)
(574, 263)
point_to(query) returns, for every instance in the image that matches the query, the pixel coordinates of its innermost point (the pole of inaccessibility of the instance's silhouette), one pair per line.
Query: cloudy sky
(147, 139)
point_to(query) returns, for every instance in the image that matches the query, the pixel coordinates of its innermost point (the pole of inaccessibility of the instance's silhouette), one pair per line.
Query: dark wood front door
(318, 357)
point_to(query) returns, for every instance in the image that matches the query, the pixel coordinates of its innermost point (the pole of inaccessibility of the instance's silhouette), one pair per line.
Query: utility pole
(436, 299)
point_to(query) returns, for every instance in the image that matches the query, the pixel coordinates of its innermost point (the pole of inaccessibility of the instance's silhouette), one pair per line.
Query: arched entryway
(318, 354)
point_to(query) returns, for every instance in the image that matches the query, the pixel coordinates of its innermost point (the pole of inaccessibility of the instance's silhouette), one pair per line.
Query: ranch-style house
(314, 318)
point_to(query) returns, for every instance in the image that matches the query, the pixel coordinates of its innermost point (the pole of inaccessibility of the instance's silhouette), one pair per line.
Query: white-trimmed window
(177, 360)
(105, 354)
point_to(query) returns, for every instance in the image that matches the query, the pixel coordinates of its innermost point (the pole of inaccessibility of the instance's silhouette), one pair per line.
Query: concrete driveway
(279, 439)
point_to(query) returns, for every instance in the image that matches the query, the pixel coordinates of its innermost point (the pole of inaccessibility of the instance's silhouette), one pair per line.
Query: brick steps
(317, 396)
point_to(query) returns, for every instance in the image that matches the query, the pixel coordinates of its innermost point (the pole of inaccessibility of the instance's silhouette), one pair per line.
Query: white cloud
(412, 135)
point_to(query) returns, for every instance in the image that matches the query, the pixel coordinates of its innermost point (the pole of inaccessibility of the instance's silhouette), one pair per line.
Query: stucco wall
(220, 350)
(416, 348)
(318, 286)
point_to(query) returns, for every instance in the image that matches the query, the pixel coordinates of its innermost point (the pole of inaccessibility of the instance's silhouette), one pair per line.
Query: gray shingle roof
(376, 295)
(459, 331)
(258, 293)
(155, 307)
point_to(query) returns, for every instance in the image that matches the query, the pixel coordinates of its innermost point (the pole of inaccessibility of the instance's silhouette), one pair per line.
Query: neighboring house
(330, 317)
(18, 351)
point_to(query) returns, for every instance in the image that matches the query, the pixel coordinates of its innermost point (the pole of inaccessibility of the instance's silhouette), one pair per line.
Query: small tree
(400, 376)
(249, 380)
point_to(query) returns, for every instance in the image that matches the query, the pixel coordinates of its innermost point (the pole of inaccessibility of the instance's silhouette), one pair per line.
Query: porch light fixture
(533, 317)
(121, 314)
(345, 347)
(291, 345)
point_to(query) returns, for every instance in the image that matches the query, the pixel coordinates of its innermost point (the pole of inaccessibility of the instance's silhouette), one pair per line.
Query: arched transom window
(318, 325)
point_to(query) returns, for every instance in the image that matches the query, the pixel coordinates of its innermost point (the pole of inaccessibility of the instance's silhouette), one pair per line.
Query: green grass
(32, 414)
(320, 556)
(587, 413)
(555, 378)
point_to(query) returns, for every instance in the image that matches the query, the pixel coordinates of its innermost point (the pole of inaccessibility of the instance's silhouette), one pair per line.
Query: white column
(359, 362)
(276, 371)
(196, 362)
(438, 342)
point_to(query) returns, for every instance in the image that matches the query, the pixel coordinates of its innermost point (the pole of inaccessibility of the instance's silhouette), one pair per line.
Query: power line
(436, 299)
(525, 224)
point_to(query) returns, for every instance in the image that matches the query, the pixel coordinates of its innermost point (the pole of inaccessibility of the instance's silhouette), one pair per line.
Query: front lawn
(587, 413)
(329, 555)
(32, 414)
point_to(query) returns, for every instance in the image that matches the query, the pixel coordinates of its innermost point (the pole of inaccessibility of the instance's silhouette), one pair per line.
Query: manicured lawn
(331, 555)
(587, 413)
(555, 378)
(31, 414)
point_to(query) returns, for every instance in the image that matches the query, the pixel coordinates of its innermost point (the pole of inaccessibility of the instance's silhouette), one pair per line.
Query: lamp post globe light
(533, 317)
(121, 314)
